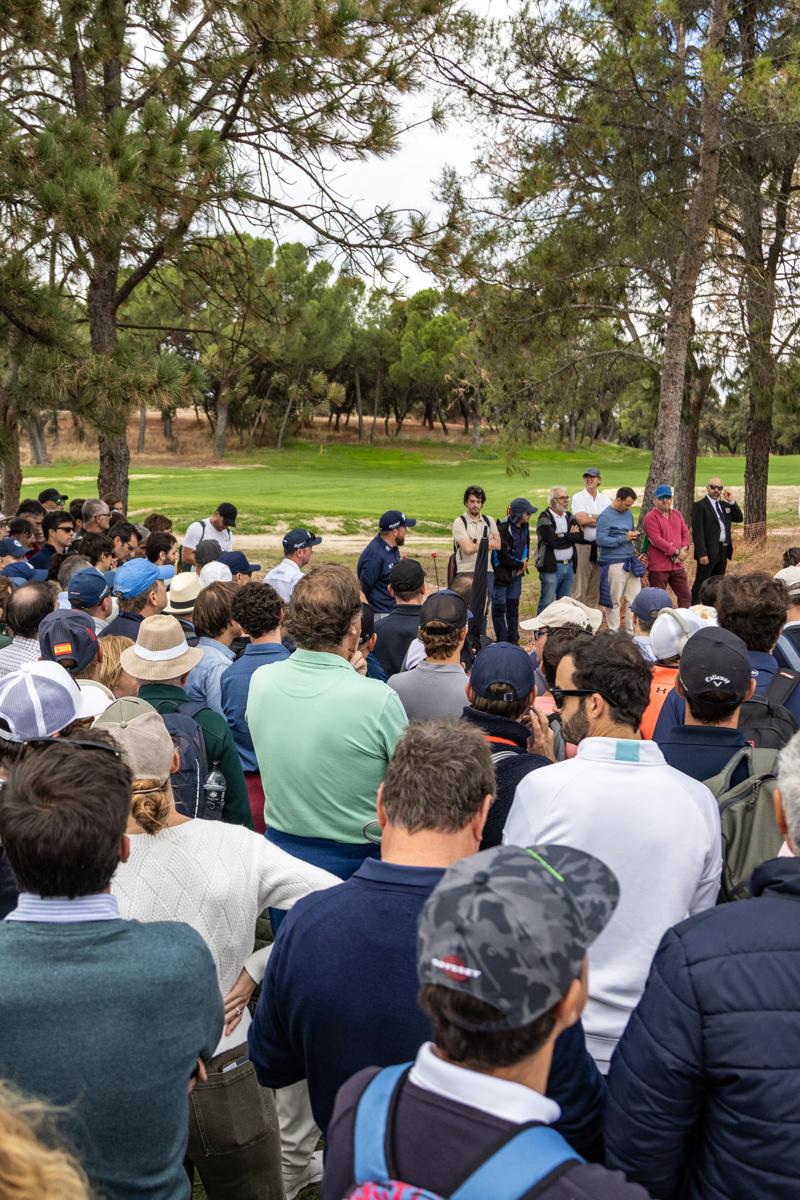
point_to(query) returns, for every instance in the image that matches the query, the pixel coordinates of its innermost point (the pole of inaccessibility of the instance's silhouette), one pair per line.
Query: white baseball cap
(672, 629)
(567, 611)
(215, 572)
(42, 699)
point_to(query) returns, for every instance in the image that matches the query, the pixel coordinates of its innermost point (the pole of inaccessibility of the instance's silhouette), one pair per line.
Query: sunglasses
(39, 743)
(558, 694)
(715, 487)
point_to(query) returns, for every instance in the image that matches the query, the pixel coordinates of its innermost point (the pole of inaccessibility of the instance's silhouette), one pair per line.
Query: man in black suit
(711, 532)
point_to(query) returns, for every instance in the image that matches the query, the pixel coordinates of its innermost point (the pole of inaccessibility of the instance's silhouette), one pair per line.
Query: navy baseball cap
(22, 572)
(502, 662)
(137, 575)
(10, 546)
(444, 608)
(663, 492)
(68, 633)
(521, 505)
(299, 539)
(648, 602)
(593, 472)
(393, 519)
(238, 563)
(715, 660)
(87, 588)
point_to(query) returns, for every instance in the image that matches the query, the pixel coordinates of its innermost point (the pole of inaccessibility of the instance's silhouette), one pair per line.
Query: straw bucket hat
(161, 651)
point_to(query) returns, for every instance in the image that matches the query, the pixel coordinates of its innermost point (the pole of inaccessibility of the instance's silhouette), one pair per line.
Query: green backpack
(749, 833)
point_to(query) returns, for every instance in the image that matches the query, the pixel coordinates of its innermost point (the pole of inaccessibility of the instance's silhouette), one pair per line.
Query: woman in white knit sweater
(217, 878)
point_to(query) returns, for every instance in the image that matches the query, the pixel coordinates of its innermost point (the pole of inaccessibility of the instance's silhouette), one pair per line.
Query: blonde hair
(151, 805)
(110, 666)
(30, 1168)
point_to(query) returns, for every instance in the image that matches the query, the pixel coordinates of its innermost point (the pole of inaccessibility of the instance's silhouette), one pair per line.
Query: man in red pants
(669, 540)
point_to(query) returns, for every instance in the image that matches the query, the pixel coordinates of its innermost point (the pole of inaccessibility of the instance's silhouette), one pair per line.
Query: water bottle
(214, 788)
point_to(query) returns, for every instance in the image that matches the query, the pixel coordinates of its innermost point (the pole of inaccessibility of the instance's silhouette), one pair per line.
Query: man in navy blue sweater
(341, 986)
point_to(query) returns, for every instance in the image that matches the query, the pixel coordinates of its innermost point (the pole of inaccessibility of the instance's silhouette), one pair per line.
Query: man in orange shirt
(671, 631)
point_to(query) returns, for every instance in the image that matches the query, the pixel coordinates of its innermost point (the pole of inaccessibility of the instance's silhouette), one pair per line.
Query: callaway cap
(21, 572)
(663, 492)
(789, 577)
(141, 735)
(229, 513)
(445, 608)
(11, 548)
(648, 603)
(137, 575)
(715, 660)
(207, 551)
(519, 506)
(42, 699)
(393, 519)
(53, 495)
(568, 611)
(87, 588)
(511, 926)
(407, 576)
(299, 539)
(69, 634)
(502, 662)
(237, 563)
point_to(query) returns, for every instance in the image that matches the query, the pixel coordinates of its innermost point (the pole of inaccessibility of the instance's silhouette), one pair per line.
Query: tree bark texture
(115, 455)
(223, 409)
(10, 467)
(140, 441)
(697, 385)
(359, 405)
(689, 264)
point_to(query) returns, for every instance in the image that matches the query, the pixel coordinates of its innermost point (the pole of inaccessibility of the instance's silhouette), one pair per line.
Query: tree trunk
(442, 421)
(284, 422)
(54, 429)
(170, 431)
(222, 424)
(78, 428)
(376, 402)
(475, 420)
(115, 455)
(689, 435)
(10, 467)
(690, 261)
(36, 436)
(359, 406)
(140, 441)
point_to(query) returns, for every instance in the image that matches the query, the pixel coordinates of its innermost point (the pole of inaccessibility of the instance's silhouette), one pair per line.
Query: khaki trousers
(624, 585)
(587, 577)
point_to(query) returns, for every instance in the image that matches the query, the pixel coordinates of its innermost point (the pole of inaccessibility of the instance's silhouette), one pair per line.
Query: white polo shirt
(583, 502)
(657, 829)
(284, 578)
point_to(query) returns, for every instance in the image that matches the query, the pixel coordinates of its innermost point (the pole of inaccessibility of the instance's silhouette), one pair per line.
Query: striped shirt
(58, 910)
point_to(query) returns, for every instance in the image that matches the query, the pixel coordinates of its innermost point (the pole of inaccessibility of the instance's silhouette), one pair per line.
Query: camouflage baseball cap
(511, 926)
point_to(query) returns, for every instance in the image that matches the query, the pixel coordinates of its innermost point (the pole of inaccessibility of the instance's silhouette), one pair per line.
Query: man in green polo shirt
(323, 734)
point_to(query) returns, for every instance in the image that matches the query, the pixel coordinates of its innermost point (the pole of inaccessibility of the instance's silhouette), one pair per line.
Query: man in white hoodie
(657, 829)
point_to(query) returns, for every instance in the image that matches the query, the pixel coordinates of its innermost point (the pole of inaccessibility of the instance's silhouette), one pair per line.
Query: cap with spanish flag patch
(68, 636)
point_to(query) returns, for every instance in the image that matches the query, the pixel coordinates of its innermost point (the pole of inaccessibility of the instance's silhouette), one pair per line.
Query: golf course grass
(348, 484)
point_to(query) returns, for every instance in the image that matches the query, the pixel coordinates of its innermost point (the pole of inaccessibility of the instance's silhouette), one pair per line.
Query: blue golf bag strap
(519, 1165)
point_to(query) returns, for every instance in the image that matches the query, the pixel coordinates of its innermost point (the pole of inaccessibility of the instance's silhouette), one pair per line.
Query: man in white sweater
(657, 829)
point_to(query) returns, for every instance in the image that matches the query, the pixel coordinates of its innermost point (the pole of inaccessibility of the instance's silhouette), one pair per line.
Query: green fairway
(349, 482)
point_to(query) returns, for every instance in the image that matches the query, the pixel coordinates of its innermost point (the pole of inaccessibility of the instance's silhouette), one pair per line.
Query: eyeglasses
(715, 487)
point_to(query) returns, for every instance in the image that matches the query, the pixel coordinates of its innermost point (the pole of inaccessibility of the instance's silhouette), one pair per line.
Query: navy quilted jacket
(704, 1087)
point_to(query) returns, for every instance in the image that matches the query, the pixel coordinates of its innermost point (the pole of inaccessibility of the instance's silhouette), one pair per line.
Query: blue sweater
(612, 544)
(235, 687)
(340, 995)
(106, 1019)
(702, 1093)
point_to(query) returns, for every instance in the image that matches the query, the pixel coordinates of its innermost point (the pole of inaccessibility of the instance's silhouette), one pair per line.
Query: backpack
(749, 833)
(787, 649)
(202, 525)
(527, 1158)
(452, 562)
(189, 780)
(764, 720)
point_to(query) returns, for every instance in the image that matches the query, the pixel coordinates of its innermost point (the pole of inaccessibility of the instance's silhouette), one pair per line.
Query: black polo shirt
(395, 634)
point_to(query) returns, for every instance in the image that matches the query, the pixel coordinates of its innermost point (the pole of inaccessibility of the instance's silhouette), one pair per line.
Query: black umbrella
(477, 600)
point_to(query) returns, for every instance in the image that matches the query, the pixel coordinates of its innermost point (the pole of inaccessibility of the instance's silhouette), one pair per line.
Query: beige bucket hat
(161, 651)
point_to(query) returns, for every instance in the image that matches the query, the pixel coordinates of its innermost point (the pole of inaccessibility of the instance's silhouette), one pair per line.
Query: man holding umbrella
(510, 563)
